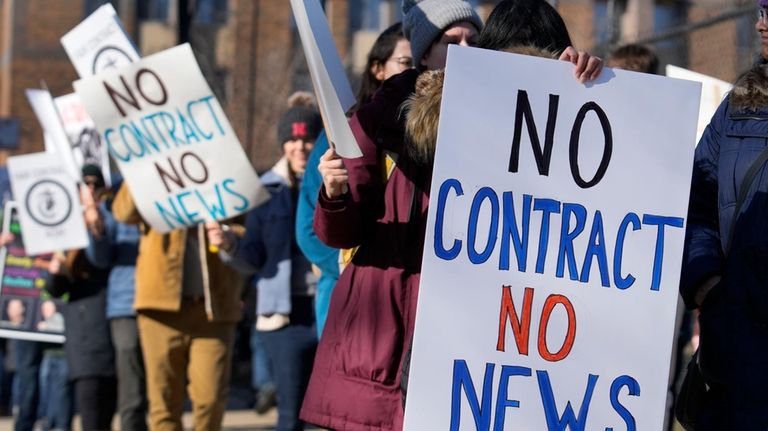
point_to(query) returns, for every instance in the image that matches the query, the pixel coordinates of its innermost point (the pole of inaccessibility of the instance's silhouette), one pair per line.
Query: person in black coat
(88, 345)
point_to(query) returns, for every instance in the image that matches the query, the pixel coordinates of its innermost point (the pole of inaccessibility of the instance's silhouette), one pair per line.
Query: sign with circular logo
(110, 58)
(48, 203)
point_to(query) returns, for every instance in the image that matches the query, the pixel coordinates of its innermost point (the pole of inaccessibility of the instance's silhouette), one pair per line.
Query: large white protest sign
(171, 140)
(56, 139)
(99, 43)
(84, 140)
(553, 248)
(713, 91)
(49, 207)
(332, 88)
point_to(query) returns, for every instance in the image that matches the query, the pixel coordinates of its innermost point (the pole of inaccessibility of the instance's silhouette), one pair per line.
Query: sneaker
(265, 400)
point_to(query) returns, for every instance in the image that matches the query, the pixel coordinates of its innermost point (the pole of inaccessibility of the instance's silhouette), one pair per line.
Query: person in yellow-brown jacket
(187, 302)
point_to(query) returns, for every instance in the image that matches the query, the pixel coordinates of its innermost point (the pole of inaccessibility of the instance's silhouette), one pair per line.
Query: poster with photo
(27, 311)
(84, 139)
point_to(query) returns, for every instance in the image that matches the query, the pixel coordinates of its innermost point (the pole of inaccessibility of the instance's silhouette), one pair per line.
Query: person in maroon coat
(358, 378)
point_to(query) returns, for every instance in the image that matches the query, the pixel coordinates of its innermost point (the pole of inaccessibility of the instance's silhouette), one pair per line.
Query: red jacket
(355, 383)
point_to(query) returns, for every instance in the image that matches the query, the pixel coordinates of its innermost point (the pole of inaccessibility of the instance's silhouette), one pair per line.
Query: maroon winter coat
(355, 383)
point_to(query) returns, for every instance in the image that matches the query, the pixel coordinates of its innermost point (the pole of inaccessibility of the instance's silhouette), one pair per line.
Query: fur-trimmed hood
(423, 108)
(750, 92)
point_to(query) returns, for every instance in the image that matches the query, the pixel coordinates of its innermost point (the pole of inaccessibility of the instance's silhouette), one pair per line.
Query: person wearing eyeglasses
(724, 272)
(389, 56)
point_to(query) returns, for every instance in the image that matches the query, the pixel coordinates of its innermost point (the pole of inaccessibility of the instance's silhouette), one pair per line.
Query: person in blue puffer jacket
(725, 266)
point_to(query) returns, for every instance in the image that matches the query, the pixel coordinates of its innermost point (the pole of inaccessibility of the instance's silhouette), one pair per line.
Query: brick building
(252, 58)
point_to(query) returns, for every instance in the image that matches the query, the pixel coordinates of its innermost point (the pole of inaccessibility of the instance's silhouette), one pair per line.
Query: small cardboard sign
(99, 43)
(171, 140)
(49, 204)
(332, 88)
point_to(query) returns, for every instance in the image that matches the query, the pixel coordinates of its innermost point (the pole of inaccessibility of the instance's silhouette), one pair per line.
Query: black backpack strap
(746, 184)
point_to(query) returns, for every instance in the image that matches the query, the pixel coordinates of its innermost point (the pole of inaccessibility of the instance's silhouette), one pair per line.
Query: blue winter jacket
(734, 315)
(326, 258)
(117, 249)
(269, 248)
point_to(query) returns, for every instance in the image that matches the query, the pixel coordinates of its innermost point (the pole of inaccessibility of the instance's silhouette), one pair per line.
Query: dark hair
(634, 57)
(525, 23)
(380, 52)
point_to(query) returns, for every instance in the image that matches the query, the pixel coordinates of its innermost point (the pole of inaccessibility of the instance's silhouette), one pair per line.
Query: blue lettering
(165, 214)
(442, 195)
(629, 280)
(126, 128)
(474, 214)
(503, 402)
(509, 227)
(157, 129)
(245, 202)
(596, 249)
(634, 390)
(170, 126)
(216, 212)
(189, 131)
(547, 207)
(480, 412)
(555, 422)
(207, 101)
(658, 259)
(192, 118)
(146, 141)
(191, 216)
(112, 149)
(566, 239)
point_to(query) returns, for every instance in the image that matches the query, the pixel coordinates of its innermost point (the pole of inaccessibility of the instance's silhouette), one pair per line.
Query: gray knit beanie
(424, 20)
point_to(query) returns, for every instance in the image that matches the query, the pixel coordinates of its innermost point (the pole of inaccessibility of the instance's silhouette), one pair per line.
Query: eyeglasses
(762, 15)
(404, 62)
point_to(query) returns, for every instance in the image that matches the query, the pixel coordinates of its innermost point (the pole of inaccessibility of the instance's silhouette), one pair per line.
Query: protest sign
(99, 43)
(55, 137)
(49, 204)
(171, 140)
(27, 311)
(713, 91)
(334, 94)
(553, 248)
(86, 145)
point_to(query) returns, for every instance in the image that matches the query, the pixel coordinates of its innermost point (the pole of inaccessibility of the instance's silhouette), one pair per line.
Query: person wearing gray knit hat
(426, 22)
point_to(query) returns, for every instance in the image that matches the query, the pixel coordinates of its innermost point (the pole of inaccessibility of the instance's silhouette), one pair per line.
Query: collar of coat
(750, 92)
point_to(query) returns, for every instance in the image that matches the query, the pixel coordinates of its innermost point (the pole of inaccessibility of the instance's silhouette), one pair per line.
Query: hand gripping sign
(553, 248)
(171, 140)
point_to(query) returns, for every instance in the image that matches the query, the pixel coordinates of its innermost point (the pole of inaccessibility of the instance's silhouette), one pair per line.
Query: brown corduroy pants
(184, 347)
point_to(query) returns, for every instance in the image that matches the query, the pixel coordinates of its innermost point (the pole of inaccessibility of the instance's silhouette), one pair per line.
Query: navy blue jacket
(734, 316)
(269, 248)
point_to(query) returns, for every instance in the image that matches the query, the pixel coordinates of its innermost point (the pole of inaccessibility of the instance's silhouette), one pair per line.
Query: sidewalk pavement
(234, 420)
